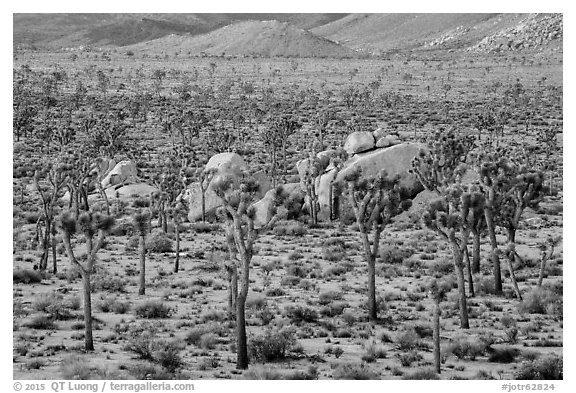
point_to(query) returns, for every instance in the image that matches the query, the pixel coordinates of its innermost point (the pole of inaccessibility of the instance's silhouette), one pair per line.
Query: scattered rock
(359, 142)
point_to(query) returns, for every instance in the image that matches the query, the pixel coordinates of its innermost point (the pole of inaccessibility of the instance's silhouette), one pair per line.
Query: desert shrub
(290, 229)
(297, 271)
(299, 314)
(295, 255)
(349, 318)
(208, 341)
(300, 375)
(464, 348)
(153, 309)
(408, 339)
(485, 286)
(329, 297)
(421, 375)
(273, 292)
(212, 315)
(442, 267)
(255, 302)
(41, 322)
(541, 301)
(290, 281)
(503, 355)
(394, 255)
(484, 375)
(158, 241)
(343, 333)
(112, 304)
(162, 352)
(406, 359)
(141, 203)
(334, 309)
(34, 364)
(261, 373)
(195, 334)
(375, 349)
(354, 371)
(103, 281)
(546, 368)
(145, 370)
(423, 331)
(26, 276)
(271, 346)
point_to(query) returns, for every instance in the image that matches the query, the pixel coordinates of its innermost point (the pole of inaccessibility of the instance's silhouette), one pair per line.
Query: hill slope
(376, 33)
(267, 38)
(61, 30)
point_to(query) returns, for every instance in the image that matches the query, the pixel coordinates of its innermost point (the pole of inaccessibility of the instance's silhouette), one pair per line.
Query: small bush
(41, 322)
(408, 340)
(422, 374)
(271, 346)
(26, 276)
(204, 227)
(208, 341)
(504, 355)
(153, 309)
(406, 359)
(547, 368)
(299, 314)
(541, 301)
(463, 348)
(354, 371)
(326, 298)
(158, 241)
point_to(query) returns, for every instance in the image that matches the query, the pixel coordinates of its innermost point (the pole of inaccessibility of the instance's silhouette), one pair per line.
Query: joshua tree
(49, 181)
(437, 291)
(313, 167)
(238, 196)
(204, 177)
(452, 217)
(547, 250)
(141, 227)
(375, 201)
(94, 227)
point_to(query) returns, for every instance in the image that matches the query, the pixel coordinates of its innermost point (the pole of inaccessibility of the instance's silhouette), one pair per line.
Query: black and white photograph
(286, 196)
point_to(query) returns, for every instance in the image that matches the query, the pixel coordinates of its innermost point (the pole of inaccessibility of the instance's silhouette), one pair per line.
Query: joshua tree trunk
(476, 252)
(459, 265)
(164, 221)
(54, 264)
(177, 233)
(495, 251)
(104, 196)
(46, 244)
(370, 256)
(242, 345)
(511, 260)
(88, 340)
(469, 271)
(142, 247)
(437, 335)
(203, 205)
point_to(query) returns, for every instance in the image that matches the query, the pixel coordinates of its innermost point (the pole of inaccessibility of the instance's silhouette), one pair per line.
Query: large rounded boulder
(359, 141)
(224, 165)
(123, 173)
(295, 196)
(396, 160)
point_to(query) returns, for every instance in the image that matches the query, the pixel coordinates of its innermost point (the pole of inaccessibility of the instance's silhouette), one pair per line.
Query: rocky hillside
(253, 38)
(380, 33)
(306, 35)
(533, 32)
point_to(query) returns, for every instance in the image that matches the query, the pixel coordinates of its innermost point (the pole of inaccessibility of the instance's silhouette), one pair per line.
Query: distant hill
(377, 33)
(323, 35)
(67, 30)
(250, 38)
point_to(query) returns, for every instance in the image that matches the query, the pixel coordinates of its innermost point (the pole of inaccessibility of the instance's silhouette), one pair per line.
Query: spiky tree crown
(443, 161)
(377, 199)
(141, 222)
(457, 207)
